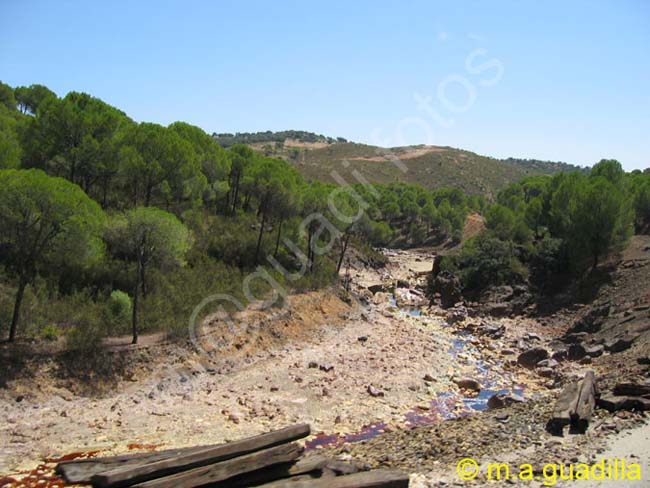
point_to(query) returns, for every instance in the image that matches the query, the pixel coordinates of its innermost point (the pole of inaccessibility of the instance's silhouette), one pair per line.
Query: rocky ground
(370, 368)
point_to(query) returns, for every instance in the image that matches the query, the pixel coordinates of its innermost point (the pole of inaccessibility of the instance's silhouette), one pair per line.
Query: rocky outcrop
(501, 301)
(531, 357)
(446, 287)
(502, 400)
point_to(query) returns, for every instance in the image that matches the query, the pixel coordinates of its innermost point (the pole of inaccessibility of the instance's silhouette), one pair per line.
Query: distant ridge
(317, 156)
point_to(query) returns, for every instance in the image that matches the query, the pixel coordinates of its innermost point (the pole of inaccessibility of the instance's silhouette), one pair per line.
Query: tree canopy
(45, 221)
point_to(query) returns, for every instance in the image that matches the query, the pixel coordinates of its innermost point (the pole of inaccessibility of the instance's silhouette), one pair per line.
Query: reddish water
(323, 440)
(43, 475)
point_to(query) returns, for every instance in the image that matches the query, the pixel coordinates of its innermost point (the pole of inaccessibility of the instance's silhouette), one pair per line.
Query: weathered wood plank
(309, 467)
(563, 407)
(368, 479)
(585, 403)
(81, 471)
(575, 405)
(225, 470)
(126, 476)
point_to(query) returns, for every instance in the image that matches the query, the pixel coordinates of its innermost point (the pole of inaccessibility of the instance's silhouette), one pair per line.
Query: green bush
(486, 261)
(119, 305)
(84, 338)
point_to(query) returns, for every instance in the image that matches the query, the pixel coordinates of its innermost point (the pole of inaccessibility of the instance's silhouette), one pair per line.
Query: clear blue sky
(574, 85)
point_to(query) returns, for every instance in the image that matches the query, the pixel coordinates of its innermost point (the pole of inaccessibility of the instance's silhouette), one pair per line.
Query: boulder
(457, 314)
(377, 288)
(449, 288)
(613, 403)
(592, 321)
(621, 343)
(632, 389)
(501, 400)
(595, 351)
(561, 355)
(576, 352)
(548, 363)
(494, 331)
(532, 356)
(468, 384)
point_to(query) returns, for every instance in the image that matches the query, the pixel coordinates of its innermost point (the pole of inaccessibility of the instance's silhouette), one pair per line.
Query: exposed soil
(363, 374)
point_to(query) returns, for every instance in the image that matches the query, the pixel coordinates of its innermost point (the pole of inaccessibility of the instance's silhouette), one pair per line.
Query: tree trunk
(147, 198)
(105, 193)
(259, 239)
(311, 251)
(16, 316)
(235, 195)
(277, 240)
(344, 247)
(136, 290)
(143, 282)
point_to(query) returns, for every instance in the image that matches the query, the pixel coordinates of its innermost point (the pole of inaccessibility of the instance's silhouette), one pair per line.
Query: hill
(317, 157)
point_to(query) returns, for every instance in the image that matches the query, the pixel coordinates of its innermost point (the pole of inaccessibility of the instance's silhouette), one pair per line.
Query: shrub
(119, 305)
(486, 261)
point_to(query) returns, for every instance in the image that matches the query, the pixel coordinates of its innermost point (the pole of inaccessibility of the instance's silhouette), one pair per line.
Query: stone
(613, 403)
(561, 355)
(620, 344)
(374, 392)
(548, 363)
(532, 356)
(468, 384)
(376, 288)
(494, 331)
(449, 288)
(546, 372)
(327, 367)
(595, 351)
(576, 352)
(402, 284)
(428, 377)
(501, 400)
(362, 338)
(312, 364)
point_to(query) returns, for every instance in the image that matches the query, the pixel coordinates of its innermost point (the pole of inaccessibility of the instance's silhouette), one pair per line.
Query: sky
(555, 80)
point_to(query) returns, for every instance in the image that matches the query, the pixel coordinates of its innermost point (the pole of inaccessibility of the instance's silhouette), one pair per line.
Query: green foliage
(7, 98)
(120, 305)
(30, 98)
(10, 147)
(244, 208)
(46, 221)
(148, 237)
(485, 261)
(227, 140)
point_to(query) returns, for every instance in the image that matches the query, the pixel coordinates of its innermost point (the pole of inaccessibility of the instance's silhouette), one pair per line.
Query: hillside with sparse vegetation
(318, 157)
